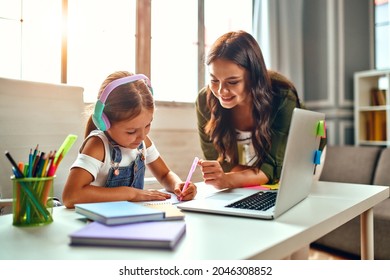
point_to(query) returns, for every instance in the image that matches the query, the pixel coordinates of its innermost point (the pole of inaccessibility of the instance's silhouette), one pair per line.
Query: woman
(244, 115)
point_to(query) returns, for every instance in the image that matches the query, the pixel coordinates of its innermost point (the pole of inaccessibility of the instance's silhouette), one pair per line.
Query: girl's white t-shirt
(99, 170)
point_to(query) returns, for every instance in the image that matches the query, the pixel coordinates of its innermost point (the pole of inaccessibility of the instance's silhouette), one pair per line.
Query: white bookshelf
(372, 119)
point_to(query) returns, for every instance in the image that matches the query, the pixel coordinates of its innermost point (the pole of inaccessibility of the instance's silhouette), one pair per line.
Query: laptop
(294, 184)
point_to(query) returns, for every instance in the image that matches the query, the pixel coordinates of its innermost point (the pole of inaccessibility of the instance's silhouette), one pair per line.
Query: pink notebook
(161, 234)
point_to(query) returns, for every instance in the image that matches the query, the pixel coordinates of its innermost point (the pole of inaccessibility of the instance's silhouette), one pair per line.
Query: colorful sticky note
(265, 187)
(317, 157)
(321, 129)
(258, 187)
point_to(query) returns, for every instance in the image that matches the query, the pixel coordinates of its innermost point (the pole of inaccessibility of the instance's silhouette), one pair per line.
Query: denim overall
(132, 175)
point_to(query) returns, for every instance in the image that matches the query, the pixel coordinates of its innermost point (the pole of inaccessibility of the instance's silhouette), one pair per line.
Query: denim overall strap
(131, 175)
(139, 168)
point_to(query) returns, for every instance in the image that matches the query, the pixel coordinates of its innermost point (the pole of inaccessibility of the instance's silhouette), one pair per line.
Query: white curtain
(278, 27)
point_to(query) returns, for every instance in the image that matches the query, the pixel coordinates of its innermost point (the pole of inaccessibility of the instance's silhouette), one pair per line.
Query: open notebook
(295, 182)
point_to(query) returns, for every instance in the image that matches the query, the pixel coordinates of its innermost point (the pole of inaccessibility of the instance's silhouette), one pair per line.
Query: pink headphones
(99, 118)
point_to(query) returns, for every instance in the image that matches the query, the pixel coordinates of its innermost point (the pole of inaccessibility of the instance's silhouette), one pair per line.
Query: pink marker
(193, 167)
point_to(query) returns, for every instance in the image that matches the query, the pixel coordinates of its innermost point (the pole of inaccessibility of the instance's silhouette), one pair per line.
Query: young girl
(111, 162)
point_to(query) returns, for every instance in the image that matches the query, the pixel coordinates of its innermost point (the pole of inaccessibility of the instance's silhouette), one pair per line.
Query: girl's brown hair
(125, 102)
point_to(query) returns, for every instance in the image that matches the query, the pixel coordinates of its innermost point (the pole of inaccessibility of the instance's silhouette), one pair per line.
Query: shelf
(372, 108)
(374, 143)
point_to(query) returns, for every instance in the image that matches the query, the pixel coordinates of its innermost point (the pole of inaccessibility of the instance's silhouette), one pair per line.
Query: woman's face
(228, 82)
(130, 133)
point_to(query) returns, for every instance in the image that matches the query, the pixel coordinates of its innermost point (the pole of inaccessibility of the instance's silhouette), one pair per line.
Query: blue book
(162, 235)
(118, 212)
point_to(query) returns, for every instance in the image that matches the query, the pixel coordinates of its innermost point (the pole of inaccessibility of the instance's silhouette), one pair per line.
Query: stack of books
(130, 224)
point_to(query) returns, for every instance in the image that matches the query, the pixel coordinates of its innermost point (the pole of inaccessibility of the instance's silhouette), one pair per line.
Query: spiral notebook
(170, 210)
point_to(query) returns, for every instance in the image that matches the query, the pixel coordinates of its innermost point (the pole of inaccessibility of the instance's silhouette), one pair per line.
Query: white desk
(213, 237)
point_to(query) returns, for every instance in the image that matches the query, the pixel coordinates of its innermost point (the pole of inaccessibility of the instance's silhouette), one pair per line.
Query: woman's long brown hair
(241, 48)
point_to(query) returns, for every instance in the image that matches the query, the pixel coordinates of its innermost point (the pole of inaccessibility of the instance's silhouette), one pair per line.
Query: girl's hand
(188, 194)
(147, 195)
(213, 174)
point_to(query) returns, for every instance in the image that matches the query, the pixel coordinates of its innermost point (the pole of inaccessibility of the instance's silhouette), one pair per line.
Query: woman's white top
(246, 152)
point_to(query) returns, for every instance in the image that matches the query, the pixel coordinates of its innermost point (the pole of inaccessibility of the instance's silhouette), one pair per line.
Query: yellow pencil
(43, 173)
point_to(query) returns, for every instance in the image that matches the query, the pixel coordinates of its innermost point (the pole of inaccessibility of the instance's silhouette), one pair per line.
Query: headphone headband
(99, 118)
(121, 81)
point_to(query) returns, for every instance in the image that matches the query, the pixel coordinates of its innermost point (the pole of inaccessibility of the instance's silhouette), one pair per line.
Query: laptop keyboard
(259, 201)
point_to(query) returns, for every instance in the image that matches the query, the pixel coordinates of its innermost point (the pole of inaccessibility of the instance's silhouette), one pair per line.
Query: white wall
(175, 134)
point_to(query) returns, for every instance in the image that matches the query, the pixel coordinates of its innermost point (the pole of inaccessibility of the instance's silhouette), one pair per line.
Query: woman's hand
(213, 174)
(239, 176)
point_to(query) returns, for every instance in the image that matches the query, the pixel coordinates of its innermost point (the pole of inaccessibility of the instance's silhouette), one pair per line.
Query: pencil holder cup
(32, 204)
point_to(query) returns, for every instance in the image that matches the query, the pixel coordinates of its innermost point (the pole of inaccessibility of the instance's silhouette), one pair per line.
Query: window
(222, 16)
(32, 49)
(174, 50)
(382, 34)
(174, 64)
(100, 38)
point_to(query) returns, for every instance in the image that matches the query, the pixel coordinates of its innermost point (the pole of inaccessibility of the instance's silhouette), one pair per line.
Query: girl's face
(228, 82)
(130, 133)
